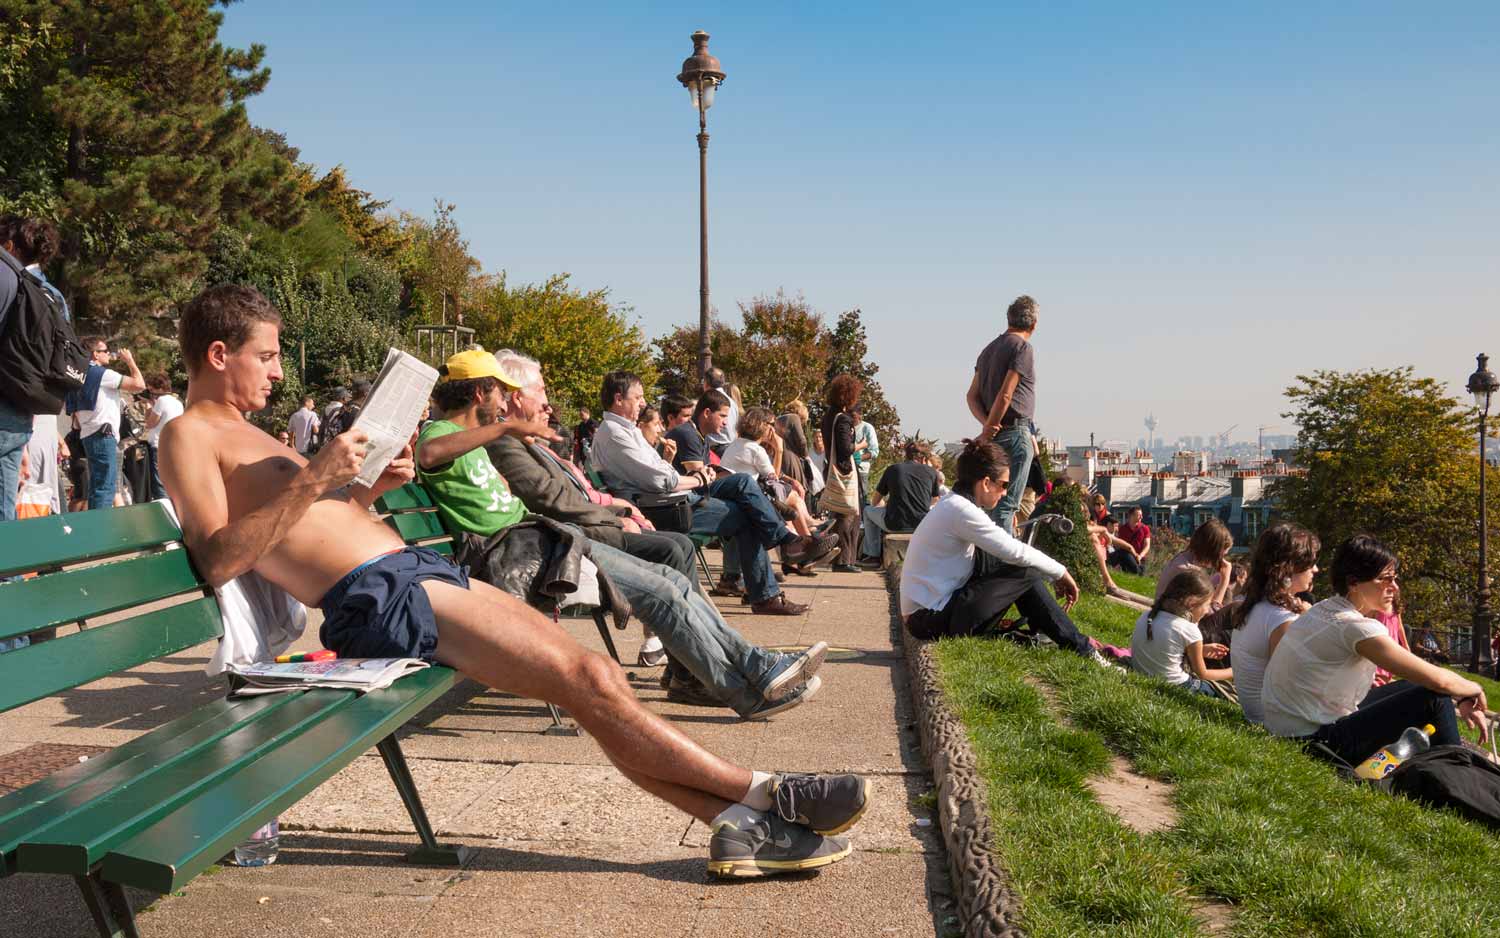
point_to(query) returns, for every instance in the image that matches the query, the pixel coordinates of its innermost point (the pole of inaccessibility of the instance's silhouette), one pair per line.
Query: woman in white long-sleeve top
(940, 593)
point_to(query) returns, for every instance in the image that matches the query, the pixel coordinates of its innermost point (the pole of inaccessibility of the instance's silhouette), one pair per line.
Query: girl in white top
(1283, 566)
(940, 594)
(1166, 636)
(1317, 682)
(747, 453)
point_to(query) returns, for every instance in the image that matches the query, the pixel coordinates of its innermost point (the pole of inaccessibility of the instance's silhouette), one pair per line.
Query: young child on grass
(1167, 643)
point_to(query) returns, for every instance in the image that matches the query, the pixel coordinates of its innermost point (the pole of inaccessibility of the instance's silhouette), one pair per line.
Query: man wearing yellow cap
(473, 498)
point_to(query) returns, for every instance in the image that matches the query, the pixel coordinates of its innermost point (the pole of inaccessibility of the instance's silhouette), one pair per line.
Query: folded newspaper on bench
(361, 674)
(397, 399)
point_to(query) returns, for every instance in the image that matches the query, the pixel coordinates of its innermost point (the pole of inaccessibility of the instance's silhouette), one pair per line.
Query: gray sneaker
(792, 670)
(829, 804)
(770, 846)
(801, 694)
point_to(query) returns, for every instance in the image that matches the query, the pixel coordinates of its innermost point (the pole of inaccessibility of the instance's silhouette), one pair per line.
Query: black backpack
(40, 357)
(1451, 777)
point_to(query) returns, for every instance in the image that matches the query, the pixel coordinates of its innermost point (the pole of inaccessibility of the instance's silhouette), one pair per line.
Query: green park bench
(155, 812)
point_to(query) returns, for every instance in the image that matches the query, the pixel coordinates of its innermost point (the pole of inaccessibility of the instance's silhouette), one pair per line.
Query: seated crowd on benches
(505, 483)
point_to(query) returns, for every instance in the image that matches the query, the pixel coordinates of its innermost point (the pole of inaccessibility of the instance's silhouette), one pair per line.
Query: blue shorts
(379, 609)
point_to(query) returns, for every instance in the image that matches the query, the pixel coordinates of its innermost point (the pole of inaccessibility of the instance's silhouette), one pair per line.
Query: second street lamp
(701, 75)
(1483, 385)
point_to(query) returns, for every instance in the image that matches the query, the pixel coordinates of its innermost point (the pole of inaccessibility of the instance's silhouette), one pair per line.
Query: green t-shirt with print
(471, 495)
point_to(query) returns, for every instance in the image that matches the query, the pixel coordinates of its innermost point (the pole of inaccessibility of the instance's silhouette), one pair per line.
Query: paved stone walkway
(565, 845)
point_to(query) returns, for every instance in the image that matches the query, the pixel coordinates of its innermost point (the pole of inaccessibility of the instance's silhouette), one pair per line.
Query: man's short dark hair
(915, 450)
(715, 377)
(711, 400)
(158, 383)
(225, 313)
(616, 384)
(35, 239)
(452, 396)
(89, 341)
(674, 404)
(1022, 313)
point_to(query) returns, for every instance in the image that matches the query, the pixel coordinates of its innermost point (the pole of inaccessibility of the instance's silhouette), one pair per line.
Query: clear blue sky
(1205, 202)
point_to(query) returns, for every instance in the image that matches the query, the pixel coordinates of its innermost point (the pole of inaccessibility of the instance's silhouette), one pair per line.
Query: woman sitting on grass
(1207, 550)
(940, 591)
(1317, 685)
(1166, 636)
(1284, 564)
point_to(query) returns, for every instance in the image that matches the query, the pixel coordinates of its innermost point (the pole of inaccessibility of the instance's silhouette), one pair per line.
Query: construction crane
(1224, 437)
(1260, 441)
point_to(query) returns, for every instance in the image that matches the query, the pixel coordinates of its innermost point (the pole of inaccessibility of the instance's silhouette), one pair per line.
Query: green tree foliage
(323, 324)
(576, 336)
(849, 354)
(1074, 551)
(1390, 454)
(436, 268)
(136, 117)
(780, 353)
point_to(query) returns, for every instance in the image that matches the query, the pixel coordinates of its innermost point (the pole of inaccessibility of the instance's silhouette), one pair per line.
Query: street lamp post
(701, 75)
(1482, 384)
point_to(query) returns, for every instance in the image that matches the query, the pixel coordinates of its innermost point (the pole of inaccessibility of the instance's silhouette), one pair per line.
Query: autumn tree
(849, 354)
(1391, 455)
(577, 336)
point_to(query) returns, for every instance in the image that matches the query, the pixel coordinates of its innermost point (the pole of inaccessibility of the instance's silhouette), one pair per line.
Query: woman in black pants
(1317, 684)
(838, 433)
(942, 591)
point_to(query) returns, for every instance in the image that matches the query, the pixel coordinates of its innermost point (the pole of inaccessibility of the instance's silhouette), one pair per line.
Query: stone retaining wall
(986, 906)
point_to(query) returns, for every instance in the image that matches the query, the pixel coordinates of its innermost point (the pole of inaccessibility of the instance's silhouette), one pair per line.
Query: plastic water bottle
(260, 849)
(1385, 761)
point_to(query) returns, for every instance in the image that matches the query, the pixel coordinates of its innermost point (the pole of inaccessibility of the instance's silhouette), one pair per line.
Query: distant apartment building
(1183, 497)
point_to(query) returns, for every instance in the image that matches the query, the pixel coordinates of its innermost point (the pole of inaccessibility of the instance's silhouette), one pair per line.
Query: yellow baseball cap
(477, 363)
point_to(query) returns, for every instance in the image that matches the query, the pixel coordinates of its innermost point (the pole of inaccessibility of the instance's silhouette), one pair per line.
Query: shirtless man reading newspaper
(249, 503)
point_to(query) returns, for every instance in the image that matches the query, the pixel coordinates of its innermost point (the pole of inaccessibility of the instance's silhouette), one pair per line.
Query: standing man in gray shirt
(1002, 397)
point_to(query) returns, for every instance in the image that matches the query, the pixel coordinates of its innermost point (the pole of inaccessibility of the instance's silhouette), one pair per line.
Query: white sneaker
(652, 653)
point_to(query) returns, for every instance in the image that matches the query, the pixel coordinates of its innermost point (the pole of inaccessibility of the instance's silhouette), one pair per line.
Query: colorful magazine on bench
(361, 674)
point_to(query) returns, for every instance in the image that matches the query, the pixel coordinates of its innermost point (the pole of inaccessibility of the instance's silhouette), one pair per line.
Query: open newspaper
(390, 416)
(361, 674)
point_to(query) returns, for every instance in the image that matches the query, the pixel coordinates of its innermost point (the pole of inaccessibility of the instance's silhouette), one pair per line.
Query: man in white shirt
(731, 507)
(100, 427)
(303, 426)
(165, 407)
(714, 380)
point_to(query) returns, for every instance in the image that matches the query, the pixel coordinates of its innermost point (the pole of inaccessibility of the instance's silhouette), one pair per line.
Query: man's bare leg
(499, 641)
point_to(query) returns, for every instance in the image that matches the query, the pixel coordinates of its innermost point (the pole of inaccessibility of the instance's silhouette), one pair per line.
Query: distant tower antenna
(1150, 431)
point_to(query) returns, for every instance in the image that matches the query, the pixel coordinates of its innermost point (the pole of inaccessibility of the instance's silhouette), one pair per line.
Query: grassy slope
(1294, 848)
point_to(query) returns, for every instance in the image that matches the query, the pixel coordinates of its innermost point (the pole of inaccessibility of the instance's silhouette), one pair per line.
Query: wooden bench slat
(418, 526)
(89, 592)
(34, 807)
(85, 829)
(181, 845)
(38, 543)
(32, 673)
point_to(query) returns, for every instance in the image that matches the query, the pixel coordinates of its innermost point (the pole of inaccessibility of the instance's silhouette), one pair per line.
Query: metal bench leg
(558, 727)
(431, 853)
(603, 627)
(708, 577)
(109, 906)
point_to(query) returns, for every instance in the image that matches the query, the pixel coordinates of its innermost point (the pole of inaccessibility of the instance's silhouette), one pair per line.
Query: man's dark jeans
(667, 548)
(981, 602)
(1384, 715)
(735, 510)
(104, 468)
(1124, 560)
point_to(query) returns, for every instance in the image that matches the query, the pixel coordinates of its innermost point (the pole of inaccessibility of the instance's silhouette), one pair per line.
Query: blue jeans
(15, 431)
(874, 523)
(104, 468)
(738, 512)
(1016, 443)
(690, 628)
